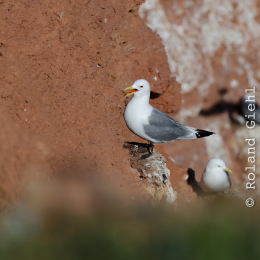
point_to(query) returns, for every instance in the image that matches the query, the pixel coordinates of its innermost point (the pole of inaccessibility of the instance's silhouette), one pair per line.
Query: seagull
(152, 124)
(215, 178)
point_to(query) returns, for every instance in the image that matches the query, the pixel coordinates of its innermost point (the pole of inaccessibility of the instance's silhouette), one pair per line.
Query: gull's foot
(141, 149)
(150, 152)
(145, 156)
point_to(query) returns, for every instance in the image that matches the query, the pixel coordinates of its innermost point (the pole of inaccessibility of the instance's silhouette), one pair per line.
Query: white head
(140, 88)
(216, 164)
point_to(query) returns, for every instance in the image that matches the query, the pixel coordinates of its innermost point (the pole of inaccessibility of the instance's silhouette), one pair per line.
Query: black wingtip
(202, 133)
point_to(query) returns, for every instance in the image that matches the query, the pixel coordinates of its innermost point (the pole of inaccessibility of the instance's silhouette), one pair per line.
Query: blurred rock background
(213, 50)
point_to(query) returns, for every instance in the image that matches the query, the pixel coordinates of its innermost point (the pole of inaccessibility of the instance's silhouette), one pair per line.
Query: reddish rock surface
(63, 68)
(24, 157)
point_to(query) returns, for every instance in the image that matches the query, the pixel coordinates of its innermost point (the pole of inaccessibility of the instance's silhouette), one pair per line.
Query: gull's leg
(142, 148)
(150, 152)
(151, 146)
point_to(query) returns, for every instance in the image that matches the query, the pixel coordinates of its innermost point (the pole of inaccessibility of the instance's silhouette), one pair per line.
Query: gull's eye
(218, 165)
(141, 86)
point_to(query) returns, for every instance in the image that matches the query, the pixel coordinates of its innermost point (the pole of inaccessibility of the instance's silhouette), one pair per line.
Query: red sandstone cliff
(63, 68)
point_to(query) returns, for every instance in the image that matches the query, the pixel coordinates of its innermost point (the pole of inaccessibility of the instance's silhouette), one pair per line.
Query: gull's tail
(190, 132)
(202, 133)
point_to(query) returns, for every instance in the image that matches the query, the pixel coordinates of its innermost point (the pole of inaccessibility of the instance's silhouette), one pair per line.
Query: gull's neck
(143, 100)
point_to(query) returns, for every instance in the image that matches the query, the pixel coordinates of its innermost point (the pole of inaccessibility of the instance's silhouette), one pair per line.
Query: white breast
(215, 181)
(136, 116)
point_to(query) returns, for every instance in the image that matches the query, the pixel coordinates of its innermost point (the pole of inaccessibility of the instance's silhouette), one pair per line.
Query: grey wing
(163, 128)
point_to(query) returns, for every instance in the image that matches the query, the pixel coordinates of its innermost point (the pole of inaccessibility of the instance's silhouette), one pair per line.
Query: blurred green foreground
(221, 231)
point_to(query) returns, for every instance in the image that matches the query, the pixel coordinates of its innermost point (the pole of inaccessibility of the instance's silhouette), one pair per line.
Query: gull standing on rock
(152, 124)
(215, 178)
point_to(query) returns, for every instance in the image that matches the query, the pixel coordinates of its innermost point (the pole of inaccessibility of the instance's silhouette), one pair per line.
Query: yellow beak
(227, 170)
(133, 90)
